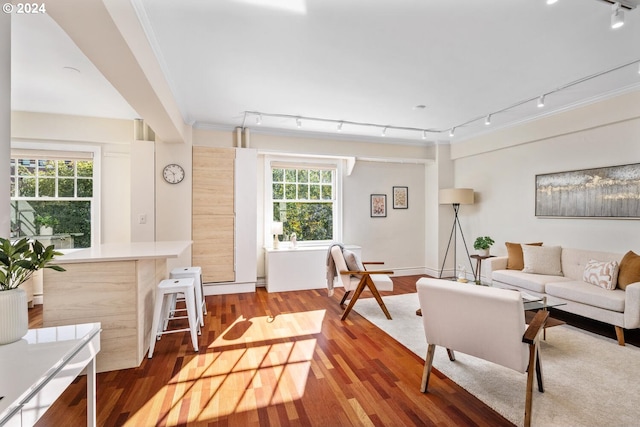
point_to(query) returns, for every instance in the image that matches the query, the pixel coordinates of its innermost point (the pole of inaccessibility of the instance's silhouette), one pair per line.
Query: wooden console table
(38, 368)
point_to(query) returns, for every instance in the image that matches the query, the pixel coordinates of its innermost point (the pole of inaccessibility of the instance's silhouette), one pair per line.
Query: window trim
(44, 149)
(310, 162)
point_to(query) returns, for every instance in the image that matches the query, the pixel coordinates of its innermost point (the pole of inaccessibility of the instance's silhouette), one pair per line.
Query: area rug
(589, 380)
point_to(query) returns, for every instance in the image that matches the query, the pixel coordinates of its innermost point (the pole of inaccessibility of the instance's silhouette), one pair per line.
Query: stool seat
(195, 273)
(166, 292)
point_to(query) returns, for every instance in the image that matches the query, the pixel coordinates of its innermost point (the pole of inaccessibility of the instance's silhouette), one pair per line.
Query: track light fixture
(541, 101)
(452, 131)
(298, 123)
(617, 16)
(384, 132)
(552, 1)
(340, 127)
(424, 134)
(259, 119)
(487, 121)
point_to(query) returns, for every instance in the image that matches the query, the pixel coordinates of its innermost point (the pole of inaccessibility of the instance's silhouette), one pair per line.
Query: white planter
(483, 252)
(14, 315)
(46, 231)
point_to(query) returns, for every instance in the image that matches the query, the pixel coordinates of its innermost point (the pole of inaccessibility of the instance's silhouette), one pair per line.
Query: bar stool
(196, 274)
(165, 293)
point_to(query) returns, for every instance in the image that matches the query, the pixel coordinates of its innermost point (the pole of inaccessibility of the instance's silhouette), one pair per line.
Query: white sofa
(620, 308)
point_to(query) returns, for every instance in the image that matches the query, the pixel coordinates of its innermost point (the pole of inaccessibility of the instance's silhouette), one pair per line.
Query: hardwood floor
(281, 359)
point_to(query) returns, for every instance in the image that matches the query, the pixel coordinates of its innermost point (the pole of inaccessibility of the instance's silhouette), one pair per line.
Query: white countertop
(124, 252)
(27, 365)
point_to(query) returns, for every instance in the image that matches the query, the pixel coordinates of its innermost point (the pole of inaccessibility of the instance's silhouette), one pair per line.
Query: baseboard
(406, 271)
(228, 288)
(38, 300)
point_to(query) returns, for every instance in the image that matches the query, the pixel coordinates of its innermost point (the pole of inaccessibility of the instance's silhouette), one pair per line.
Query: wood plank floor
(281, 359)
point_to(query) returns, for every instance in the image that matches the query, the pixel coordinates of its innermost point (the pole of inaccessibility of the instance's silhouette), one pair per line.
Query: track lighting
(424, 134)
(298, 123)
(452, 131)
(384, 132)
(617, 16)
(552, 1)
(487, 121)
(541, 101)
(259, 119)
(340, 127)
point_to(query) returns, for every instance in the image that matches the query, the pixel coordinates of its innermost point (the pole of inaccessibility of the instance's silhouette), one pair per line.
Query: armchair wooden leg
(344, 298)
(620, 335)
(539, 373)
(451, 354)
(356, 295)
(530, 372)
(376, 294)
(428, 363)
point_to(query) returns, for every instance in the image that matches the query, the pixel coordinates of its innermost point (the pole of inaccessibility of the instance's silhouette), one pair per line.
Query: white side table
(38, 368)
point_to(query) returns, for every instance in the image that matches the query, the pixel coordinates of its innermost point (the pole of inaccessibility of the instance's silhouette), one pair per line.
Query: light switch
(142, 219)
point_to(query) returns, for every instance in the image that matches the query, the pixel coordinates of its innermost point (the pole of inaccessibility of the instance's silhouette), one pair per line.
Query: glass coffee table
(533, 304)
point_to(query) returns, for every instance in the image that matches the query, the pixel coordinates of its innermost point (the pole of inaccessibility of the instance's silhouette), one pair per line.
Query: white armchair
(484, 322)
(358, 278)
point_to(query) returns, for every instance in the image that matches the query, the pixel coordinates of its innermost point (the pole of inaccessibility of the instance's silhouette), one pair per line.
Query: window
(51, 198)
(304, 198)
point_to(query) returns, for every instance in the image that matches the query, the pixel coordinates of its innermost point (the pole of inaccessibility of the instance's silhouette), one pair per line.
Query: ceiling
(357, 61)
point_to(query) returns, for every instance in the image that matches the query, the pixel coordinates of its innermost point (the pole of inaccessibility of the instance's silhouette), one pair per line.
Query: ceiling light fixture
(384, 132)
(259, 119)
(552, 1)
(452, 131)
(340, 127)
(617, 16)
(487, 121)
(541, 101)
(424, 134)
(298, 123)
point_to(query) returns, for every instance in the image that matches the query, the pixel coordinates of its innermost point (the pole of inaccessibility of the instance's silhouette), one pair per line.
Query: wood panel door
(213, 222)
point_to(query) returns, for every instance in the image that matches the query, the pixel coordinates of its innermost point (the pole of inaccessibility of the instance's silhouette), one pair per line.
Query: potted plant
(18, 261)
(482, 245)
(46, 224)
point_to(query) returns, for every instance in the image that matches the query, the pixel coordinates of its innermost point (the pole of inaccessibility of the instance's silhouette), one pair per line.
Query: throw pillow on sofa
(542, 260)
(603, 274)
(515, 260)
(629, 270)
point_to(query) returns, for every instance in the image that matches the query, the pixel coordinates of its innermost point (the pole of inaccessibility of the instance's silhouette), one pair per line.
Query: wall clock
(173, 173)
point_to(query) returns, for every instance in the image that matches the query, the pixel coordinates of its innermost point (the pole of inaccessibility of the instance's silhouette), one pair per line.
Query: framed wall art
(607, 192)
(378, 205)
(400, 197)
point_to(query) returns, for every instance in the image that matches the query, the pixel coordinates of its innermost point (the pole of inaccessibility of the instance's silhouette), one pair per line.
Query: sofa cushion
(575, 260)
(515, 260)
(586, 293)
(542, 260)
(352, 260)
(603, 274)
(531, 282)
(629, 270)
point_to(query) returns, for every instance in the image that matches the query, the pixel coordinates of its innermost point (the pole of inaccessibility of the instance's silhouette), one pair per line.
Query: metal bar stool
(165, 293)
(196, 274)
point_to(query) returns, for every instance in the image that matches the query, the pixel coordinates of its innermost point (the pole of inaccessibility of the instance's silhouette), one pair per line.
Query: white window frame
(295, 161)
(40, 150)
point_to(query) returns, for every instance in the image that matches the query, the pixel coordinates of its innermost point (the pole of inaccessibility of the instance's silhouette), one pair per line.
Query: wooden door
(213, 222)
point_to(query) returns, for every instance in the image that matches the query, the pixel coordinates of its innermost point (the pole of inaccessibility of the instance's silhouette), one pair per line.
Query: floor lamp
(455, 197)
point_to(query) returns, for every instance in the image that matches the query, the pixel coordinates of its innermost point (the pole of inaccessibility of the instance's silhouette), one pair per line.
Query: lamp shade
(453, 196)
(276, 228)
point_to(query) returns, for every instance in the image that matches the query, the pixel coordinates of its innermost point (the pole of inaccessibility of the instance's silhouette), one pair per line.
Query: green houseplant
(46, 224)
(483, 244)
(18, 261)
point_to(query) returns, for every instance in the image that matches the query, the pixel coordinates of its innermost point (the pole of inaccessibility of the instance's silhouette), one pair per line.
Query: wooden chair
(484, 322)
(357, 277)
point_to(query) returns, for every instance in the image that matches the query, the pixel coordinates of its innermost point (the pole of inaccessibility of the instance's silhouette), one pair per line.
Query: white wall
(5, 121)
(504, 180)
(397, 239)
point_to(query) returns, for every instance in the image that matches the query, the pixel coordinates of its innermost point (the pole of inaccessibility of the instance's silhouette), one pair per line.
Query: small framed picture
(378, 205)
(400, 197)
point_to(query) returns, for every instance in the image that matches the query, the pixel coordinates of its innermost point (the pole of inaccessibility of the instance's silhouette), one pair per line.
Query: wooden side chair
(484, 322)
(352, 274)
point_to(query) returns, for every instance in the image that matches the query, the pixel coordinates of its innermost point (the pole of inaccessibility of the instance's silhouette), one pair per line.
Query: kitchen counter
(113, 284)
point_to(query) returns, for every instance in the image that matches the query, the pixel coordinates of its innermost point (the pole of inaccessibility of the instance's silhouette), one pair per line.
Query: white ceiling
(370, 61)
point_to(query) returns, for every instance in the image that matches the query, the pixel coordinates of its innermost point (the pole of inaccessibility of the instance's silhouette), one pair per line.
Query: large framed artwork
(378, 205)
(607, 192)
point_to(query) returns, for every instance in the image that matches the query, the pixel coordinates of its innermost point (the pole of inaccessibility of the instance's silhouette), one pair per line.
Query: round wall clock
(173, 173)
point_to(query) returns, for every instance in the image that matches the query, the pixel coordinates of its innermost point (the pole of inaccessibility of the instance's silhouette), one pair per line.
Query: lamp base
(276, 242)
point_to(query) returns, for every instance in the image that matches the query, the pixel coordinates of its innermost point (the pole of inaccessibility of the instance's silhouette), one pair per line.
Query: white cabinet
(289, 269)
